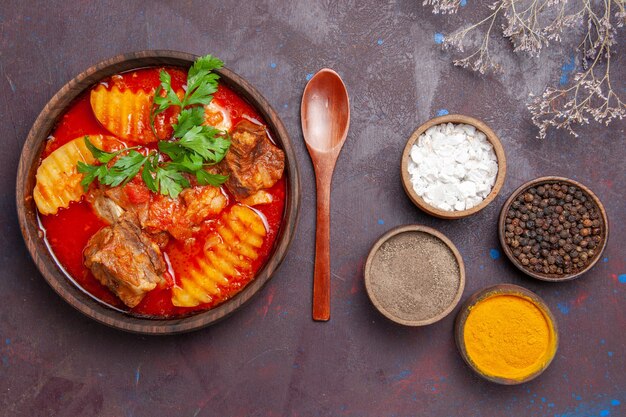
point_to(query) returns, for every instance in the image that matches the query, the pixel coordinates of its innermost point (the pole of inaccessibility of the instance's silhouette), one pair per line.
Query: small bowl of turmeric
(506, 334)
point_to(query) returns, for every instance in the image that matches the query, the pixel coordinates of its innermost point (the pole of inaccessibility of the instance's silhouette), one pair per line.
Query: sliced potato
(58, 180)
(241, 232)
(126, 114)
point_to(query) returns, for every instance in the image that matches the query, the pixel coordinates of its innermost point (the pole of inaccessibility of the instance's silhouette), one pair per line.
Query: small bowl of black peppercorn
(553, 228)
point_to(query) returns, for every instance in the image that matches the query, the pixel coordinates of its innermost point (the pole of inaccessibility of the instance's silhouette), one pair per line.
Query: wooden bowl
(501, 289)
(535, 183)
(371, 292)
(28, 218)
(456, 119)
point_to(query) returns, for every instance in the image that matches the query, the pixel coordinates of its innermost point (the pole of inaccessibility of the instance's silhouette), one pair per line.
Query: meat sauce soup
(70, 229)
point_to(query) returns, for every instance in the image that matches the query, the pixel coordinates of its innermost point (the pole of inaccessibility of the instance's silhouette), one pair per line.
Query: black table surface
(270, 358)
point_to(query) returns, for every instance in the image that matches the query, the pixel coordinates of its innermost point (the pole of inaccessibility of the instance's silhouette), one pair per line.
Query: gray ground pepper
(414, 276)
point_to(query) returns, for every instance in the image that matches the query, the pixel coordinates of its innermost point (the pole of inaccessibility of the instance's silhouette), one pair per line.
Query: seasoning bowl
(414, 275)
(540, 364)
(455, 119)
(534, 184)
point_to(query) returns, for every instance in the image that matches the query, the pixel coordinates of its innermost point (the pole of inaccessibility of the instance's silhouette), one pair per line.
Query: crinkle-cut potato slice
(126, 114)
(241, 233)
(217, 116)
(58, 179)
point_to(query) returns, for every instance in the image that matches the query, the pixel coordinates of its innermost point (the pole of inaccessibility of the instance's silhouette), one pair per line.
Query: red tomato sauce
(68, 231)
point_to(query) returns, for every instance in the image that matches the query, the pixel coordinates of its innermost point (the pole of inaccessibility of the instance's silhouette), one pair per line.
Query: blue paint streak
(579, 398)
(463, 3)
(605, 259)
(273, 64)
(402, 375)
(615, 403)
(380, 41)
(551, 405)
(381, 221)
(137, 374)
(567, 69)
(604, 413)
(7, 341)
(442, 112)
(439, 38)
(610, 354)
(563, 308)
(494, 253)
(543, 400)
(602, 341)
(622, 278)
(309, 76)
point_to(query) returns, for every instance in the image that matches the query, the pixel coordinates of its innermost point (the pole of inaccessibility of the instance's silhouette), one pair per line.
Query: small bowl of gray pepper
(553, 228)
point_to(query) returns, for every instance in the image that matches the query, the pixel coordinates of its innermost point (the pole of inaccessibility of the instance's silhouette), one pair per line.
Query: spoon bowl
(325, 113)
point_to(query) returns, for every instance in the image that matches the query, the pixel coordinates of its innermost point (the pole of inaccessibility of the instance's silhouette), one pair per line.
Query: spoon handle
(321, 275)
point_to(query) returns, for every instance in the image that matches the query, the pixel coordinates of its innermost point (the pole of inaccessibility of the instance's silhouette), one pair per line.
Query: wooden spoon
(325, 114)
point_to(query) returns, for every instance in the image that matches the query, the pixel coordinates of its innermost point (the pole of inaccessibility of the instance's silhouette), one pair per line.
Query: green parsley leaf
(170, 98)
(170, 181)
(91, 173)
(125, 169)
(189, 162)
(204, 63)
(187, 119)
(195, 146)
(149, 169)
(206, 178)
(99, 154)
(206, 142)
(201, 89)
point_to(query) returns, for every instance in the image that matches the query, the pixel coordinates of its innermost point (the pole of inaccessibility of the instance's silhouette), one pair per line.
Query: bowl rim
(456, 119)
(423, 229)
(501, 289)
(33, 236)
(535, 182)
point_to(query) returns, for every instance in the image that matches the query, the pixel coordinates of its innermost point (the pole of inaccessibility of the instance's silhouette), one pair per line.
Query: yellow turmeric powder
(509, 336)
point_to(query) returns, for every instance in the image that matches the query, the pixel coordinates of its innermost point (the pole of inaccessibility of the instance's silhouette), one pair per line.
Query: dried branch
(530, 25)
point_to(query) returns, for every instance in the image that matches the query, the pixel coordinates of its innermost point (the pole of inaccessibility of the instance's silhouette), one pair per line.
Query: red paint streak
(69, 230)
(270, 297)
(357, 284)
(580, 299)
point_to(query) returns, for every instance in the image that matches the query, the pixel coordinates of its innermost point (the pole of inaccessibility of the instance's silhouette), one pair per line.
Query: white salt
(453, 166)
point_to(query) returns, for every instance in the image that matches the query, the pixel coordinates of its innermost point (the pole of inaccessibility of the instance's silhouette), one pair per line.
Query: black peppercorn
(553, 228)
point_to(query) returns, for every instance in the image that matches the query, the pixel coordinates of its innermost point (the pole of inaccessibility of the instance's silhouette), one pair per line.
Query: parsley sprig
(193, 147)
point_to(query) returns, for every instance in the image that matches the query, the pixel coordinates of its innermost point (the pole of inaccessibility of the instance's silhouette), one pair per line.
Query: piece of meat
(260, 197)
(104, 207)
(125, 259)
(183, 216)
(253, 162)
(202, 202)
(120, 196)
(158, 215)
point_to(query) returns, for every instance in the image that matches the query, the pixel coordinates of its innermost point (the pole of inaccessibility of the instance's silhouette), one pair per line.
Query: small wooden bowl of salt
(453, 166)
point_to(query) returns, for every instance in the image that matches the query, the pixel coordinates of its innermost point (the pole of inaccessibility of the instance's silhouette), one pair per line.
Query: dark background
(270, 358)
